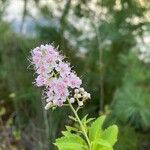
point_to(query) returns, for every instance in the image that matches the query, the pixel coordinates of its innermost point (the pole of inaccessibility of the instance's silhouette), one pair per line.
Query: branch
(63, 20)
(24, 15)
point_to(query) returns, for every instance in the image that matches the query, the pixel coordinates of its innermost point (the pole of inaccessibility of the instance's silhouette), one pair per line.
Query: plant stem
(81, 125)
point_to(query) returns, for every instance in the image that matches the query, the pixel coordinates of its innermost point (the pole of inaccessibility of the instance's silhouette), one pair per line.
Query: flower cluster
(60, 81)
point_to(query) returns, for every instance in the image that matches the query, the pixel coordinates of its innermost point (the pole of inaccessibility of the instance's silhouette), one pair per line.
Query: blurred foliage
(132, 100)
(128, 139)
(106, 57)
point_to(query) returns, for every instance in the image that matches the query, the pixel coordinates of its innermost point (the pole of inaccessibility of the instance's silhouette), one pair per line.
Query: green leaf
(89, 120)
(101, 142)
(84, 118)
(110, 134)
(96, 128)
(85, 122)
(73, 118)
(66, 133)
(71, 142)
(69, 128)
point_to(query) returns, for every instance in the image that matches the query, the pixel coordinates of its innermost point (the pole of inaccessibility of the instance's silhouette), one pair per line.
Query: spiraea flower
(57, 77)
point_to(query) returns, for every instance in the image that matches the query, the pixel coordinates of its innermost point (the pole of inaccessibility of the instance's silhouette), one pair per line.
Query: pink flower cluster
(54, 74)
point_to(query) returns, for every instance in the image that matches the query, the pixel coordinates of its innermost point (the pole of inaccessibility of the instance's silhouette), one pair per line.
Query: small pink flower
(50, 93)
(60, 103)
(66, 79)
(40, 81)
(36, 58)
(41, 69)
(61, 89)
(63, 68)
(75, 81)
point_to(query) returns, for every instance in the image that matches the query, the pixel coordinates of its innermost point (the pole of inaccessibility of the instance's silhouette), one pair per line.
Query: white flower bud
(85, 93)
(76, 91)
(80, 103)
(49, 99)
(79, 96)
(81, 90)
(84, 96)
(88, 95)
(55, 102)
(48, 105)
(72, 100)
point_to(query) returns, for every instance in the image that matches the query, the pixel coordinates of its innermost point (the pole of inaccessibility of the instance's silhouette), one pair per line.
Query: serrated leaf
(69, 128)
(66, 133)
(89, 120)
(85, 122)
(72, 118)
(71, 142)
(110, 134)
(84, 118)
(96, 128)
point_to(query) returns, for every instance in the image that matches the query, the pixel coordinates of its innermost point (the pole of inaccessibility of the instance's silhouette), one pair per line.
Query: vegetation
(101, 39)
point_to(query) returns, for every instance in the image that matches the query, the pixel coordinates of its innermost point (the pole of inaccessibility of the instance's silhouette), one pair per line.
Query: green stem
(81, 125)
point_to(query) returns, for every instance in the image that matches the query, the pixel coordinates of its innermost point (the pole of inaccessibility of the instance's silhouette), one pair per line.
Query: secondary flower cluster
(57, 77)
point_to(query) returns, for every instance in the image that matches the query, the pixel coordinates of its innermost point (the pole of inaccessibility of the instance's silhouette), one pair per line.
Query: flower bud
(60, 103)
(80, 103)
(81, 90)
(85, 93)
(79, 96)
(72, 100)
(76, 91)
(88, 96)
(49, 99)
(48, 105)
(55, 102)
(84, 96)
